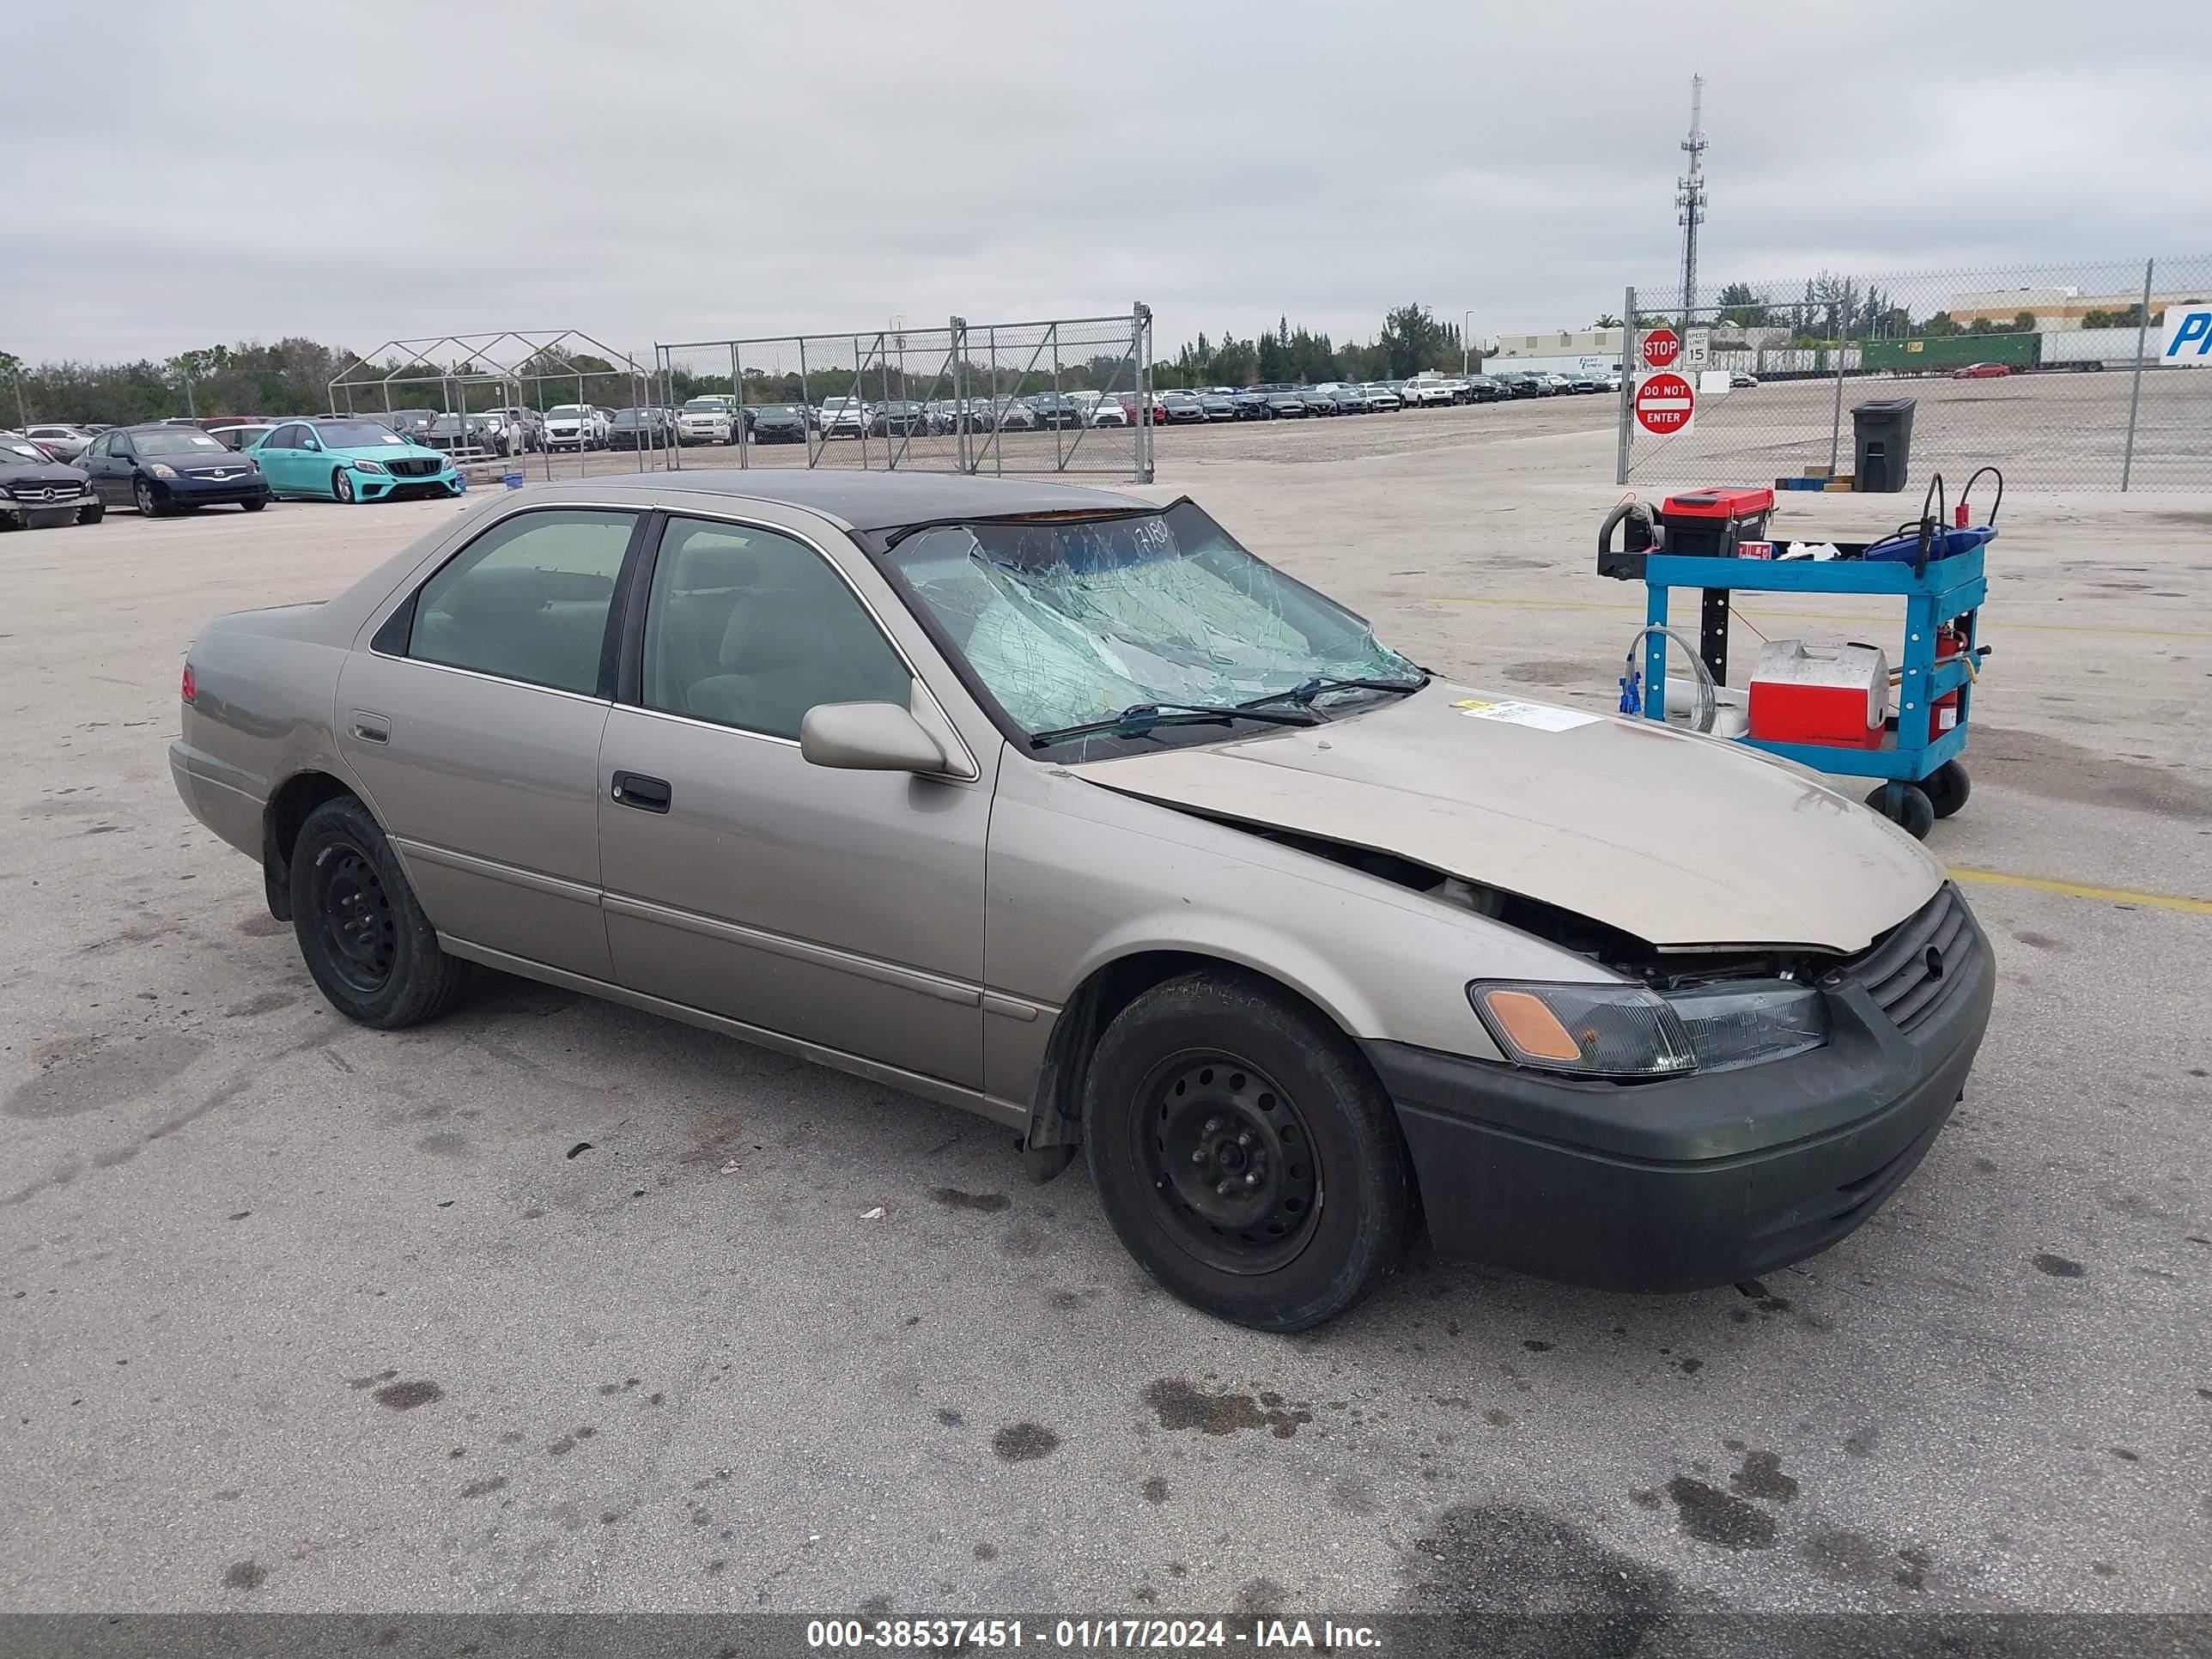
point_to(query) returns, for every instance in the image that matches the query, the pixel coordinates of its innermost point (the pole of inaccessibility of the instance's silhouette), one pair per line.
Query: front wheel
(142, 493)
(92, 515)
(342, 484)
(1245, 1153)
(255, 504)
(366, 941)
(1906, 806)
(1947, 788)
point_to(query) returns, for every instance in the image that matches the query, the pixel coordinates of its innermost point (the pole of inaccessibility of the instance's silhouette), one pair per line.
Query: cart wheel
(1947, 788)
(1907, 806)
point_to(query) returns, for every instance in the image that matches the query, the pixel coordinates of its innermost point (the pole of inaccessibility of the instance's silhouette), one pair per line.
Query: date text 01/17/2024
(1082, 1635)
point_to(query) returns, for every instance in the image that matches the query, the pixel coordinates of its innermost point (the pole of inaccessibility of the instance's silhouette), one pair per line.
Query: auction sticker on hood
(1539, 715)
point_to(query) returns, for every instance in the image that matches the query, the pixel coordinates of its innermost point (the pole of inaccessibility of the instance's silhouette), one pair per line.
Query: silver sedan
(1061, 806)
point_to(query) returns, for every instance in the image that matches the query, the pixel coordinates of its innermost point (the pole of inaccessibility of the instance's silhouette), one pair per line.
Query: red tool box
(1708, 524)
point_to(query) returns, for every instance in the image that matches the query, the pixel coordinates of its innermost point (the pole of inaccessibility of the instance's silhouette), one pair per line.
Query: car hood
(19, 471)
(1681, 840)
(388, 453)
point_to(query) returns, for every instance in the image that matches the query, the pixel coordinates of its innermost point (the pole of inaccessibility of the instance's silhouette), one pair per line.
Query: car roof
(876, 500)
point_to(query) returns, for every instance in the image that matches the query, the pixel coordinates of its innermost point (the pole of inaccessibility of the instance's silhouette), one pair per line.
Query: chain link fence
(2059, 375)
(1070, 396)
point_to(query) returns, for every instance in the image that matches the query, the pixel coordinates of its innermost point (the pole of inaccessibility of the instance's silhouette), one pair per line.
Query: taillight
(188, 688)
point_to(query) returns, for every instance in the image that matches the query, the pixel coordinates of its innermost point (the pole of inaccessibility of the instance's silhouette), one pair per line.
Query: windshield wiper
(1305, 691)
(1139, 718)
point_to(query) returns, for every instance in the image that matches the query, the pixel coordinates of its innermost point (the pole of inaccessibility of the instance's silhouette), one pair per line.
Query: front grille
(216, 474)
(1912, 972)
(419, 466)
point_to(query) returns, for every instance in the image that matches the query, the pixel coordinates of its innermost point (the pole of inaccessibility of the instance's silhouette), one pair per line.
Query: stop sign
(1664, 403)
(1660, 347)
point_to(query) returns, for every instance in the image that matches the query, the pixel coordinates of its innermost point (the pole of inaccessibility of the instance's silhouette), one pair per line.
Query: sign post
(1666, 403)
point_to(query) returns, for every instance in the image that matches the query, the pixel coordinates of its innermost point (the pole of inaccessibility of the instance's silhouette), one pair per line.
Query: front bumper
(191, 492)
(1696, 1181)
(39, 514)
(369, 486)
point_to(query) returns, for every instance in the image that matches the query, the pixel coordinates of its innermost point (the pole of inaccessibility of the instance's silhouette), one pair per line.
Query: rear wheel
(342, 483)
(1245, 1152)
(366, 941)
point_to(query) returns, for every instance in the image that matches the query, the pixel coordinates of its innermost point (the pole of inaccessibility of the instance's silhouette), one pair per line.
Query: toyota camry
(1060, 806)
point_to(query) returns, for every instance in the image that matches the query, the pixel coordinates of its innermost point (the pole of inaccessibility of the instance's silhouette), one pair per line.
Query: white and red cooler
(1836, 696)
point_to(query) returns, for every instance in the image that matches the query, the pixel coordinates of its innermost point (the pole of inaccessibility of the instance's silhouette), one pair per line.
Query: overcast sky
(183, 175)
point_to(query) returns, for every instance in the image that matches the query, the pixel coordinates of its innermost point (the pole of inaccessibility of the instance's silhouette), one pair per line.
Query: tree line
(293, 376)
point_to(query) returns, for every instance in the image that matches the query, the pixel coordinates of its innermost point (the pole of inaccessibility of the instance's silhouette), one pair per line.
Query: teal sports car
(345, 459)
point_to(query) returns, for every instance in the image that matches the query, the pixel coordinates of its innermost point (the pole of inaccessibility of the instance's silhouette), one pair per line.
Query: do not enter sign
(1660, 347)
(1664, 404)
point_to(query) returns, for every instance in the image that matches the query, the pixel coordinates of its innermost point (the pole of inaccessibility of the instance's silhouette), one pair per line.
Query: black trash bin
(1882, 442)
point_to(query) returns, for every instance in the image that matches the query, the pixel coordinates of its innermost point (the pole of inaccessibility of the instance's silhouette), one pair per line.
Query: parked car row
(170, 466)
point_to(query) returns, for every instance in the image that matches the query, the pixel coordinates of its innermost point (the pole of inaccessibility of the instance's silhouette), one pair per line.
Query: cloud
(360, 173)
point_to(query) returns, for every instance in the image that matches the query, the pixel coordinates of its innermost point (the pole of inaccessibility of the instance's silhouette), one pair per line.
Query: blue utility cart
(1936, 571)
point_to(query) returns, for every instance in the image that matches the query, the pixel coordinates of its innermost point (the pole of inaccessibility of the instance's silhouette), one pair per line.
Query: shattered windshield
(1066, 621)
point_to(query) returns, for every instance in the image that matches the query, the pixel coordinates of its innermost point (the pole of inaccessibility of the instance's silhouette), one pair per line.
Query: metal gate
(1070, 396)
(2063, 375)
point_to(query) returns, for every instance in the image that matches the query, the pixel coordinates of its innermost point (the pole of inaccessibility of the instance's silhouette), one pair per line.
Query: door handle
(647, 794)
(371, 728)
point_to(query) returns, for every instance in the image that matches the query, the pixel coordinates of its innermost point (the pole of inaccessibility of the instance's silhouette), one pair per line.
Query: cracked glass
(1067, 620)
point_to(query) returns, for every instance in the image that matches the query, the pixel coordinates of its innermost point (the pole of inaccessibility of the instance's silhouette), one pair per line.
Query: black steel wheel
(1228, 1159)
(1906, 806)
(1947, 788)
(1244, 1152)
(351, 914)
(364, 938)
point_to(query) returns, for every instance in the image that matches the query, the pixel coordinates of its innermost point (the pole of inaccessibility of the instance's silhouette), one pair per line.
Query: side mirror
(868, 737)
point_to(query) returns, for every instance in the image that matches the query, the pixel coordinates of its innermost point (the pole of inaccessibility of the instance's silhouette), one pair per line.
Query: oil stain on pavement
(1181, 1406)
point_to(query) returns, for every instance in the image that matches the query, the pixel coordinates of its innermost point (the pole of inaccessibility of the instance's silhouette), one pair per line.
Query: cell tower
(1690, 194)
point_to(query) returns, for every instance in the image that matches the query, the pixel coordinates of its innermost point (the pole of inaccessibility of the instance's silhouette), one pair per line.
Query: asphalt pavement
(555, 1305)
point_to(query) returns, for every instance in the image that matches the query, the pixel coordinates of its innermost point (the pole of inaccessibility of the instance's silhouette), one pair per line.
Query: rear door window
(527, 601)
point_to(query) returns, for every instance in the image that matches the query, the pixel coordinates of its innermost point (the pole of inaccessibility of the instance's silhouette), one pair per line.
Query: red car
(1982, 372)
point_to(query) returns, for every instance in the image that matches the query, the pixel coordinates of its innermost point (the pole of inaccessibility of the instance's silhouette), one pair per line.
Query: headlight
(162, 470)
(1627, 1031)
(368, 467)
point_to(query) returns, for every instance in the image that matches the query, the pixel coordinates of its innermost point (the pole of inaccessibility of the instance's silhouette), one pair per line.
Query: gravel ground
(552, 1305)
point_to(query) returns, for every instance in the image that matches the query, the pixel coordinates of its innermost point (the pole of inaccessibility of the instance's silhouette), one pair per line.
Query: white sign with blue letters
(2188, 336)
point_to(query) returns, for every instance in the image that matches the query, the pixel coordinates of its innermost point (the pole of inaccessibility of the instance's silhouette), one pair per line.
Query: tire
(1907, 806)
(372, 952)
(341, 485)
(1217, 1080)
(93, 514)
(142, 493)
(1947, 788)
(255, 505)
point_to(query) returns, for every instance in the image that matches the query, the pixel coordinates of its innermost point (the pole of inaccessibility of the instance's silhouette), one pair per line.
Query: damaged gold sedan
(1059, 806)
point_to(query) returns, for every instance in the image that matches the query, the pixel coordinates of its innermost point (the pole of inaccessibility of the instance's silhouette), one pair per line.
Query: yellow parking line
(2195, 906)
(1825, 616)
